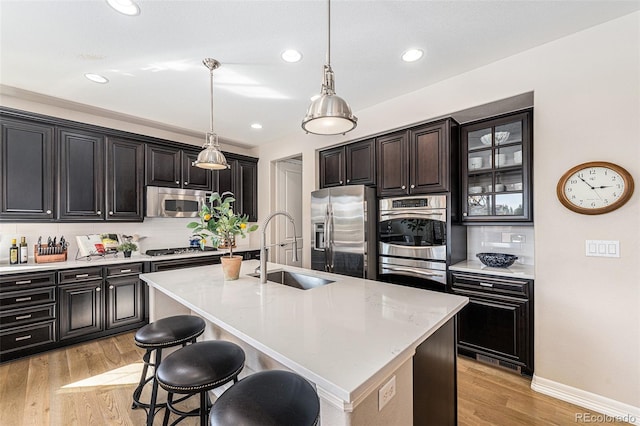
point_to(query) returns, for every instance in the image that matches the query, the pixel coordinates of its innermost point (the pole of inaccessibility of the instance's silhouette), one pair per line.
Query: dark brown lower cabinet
(81, 309)
(497, 325)
(125, 304)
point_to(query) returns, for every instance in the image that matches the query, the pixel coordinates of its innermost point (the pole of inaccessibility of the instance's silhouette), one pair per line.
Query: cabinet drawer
(20, 317)
(77, 275)
(21, 299)
(26, 281)
(125, 269)
(491, 284)
(26, 337)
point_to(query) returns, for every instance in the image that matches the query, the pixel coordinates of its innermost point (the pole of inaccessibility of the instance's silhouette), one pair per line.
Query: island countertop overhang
(343, 336)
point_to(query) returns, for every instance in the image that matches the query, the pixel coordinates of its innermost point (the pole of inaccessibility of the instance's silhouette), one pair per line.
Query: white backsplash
(157, 233)
(516, 240)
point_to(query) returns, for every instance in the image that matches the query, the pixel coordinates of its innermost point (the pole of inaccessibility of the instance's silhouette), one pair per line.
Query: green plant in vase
(127, 247)
(219, 223)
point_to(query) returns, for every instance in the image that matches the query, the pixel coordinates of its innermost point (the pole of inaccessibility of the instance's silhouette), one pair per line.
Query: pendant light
(329, 114)
(211, 157)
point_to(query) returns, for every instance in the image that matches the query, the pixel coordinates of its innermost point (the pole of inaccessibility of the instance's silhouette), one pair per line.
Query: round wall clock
(595, 187)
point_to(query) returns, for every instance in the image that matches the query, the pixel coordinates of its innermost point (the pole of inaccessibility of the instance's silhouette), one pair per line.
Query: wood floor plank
(92, 384)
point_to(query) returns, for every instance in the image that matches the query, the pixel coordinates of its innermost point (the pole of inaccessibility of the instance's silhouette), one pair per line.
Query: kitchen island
(350, 338)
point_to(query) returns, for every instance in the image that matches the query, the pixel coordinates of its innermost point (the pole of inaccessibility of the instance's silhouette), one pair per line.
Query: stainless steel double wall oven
(414, 235)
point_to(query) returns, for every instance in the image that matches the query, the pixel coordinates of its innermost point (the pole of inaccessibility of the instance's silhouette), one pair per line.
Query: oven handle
(410, 271)
(412, 213)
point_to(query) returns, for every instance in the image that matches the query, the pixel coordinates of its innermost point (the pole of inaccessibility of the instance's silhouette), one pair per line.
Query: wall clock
(595, 187)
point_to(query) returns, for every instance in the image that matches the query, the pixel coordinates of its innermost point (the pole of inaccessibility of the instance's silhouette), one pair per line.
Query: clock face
(594, 188)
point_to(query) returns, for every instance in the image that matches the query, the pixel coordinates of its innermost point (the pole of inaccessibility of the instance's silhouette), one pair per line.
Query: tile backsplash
(518, 240)
(154, 233)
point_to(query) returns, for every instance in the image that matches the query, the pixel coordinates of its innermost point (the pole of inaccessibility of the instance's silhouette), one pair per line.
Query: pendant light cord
(329, 33)
(211, 97)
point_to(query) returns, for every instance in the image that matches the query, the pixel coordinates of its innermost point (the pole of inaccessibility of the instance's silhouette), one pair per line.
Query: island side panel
(435, 399)
(163, 306)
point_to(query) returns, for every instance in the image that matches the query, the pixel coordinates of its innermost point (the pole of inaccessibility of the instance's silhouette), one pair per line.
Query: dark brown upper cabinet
(496, 170)
(418, 160)
(80, 175)
(26, 161)
(125, 180)
(172, 167)
(352, 164)
(242, 180)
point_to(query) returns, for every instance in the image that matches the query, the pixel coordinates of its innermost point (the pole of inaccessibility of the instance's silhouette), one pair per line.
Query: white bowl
(475, 189)
(501, 137)
(499, 187)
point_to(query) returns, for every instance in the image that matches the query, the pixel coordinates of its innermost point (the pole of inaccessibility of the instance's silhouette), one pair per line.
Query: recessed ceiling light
(126, 7)
(291, 55)
(256, 126)
(97, 78)
(412, 55)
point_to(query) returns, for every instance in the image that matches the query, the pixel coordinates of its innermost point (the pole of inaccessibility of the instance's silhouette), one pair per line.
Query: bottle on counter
(24, 250)
(13, 253)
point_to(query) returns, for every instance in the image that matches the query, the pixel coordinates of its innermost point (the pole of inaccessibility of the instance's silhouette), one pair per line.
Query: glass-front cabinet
(496, 178)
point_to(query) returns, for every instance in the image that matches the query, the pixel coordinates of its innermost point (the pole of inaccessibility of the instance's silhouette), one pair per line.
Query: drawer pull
(98, 289)
(82, 275)
(23, 317)
(111, 287)
(23, 282)
(122, 271)
(23, 299)
(486, 285)
(27, 337)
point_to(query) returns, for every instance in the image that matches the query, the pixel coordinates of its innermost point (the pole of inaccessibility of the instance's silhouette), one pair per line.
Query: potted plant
(222, 225)
(127, 247)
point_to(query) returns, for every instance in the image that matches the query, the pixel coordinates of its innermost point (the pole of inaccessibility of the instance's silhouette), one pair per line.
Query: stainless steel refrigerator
(343, 231)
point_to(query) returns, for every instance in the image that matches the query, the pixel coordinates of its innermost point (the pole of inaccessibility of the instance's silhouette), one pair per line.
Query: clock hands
(588, 184)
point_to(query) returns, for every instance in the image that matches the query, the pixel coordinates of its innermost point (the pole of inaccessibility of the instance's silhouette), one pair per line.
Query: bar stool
(195, 370)
(160, 334)
(267, 398)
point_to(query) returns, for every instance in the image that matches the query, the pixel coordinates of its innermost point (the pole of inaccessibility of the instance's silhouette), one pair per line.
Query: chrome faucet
(263, 244)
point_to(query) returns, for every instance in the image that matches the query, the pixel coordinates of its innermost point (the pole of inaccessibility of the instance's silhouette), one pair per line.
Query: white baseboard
(609, 408)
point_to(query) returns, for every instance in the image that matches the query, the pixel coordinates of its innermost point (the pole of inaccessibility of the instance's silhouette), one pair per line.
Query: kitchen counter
(110, 259)
(516, 270)
(348, 337)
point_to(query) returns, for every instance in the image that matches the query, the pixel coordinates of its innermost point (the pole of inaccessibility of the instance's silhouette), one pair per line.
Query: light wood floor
(92, 383)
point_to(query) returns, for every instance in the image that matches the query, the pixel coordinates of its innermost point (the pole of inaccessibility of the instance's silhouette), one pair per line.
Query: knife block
(48, 258)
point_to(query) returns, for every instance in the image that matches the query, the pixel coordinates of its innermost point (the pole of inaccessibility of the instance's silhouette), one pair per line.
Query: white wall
(587, 107)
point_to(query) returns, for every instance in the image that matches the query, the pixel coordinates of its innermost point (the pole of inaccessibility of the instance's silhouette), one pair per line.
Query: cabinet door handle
(348, 180)
(23, 282)
(111, 287)
(340, 182)
(23, 317)
(98, 213)
(403, 187)
(186, 183)
(413, 186)
(486, 285)
(48, 211)
(23, 299)
(177, 182)
(122, 271)
(82, 275)
(27, 337)
(464, 214)
(110, 213)
(98, 289)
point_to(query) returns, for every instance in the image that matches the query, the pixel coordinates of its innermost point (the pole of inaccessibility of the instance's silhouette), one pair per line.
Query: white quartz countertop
(110, 259)
(517, 270)
(341, 336)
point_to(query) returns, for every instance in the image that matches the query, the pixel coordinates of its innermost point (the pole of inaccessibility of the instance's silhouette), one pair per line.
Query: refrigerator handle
(326, 239)
(331, 244)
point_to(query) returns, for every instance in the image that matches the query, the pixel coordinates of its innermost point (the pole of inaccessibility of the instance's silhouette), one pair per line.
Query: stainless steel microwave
(174, 202)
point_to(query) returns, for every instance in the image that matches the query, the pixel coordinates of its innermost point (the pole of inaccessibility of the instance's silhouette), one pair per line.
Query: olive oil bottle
(13, 253)
(24, 250)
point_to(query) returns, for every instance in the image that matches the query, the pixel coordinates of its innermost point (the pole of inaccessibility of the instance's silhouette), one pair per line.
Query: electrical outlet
(386, 393)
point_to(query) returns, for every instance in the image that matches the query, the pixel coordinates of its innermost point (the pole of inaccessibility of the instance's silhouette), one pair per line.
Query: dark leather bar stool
(160, 334)
(195, 370)
(267, 398)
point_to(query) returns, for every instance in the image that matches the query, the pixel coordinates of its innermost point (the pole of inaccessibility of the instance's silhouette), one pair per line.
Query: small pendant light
(211, 157)
(329, 114)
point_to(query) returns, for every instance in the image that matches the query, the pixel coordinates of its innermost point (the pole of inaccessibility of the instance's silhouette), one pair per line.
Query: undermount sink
(294, 279)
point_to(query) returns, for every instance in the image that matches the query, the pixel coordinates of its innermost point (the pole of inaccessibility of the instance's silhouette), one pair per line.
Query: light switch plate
(602, 248)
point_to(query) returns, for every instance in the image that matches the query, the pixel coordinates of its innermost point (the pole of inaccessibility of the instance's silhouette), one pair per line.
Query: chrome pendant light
(211, 157)
(329, 114)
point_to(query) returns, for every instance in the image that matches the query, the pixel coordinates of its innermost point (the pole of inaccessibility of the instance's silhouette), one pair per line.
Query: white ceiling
(154, 60)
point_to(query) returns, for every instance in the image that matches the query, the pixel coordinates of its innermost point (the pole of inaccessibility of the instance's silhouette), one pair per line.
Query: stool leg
(167, 411)
(154, 389)
(143, 380)
(204, 413)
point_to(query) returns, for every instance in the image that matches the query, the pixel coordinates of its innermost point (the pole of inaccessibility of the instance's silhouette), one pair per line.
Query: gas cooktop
(178, 250)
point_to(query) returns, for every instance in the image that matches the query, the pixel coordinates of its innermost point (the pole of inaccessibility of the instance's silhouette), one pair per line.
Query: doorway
(288, 197)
